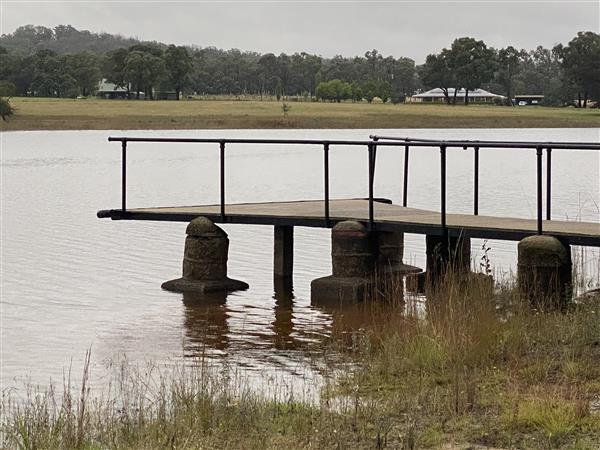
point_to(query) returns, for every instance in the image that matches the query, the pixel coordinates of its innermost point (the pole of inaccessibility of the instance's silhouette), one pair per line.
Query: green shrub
(6, 109)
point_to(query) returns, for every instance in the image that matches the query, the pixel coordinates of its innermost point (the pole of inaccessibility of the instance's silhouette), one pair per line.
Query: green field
(95, 114)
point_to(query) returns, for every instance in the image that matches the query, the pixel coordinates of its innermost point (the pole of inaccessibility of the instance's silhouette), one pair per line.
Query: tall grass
(469, 366)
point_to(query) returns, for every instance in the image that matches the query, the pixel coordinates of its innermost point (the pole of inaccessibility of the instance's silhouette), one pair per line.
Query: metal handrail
(431, 143)
(477, 144)
(372, 145)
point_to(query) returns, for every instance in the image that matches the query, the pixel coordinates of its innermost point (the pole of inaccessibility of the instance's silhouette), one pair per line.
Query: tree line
(66, 62)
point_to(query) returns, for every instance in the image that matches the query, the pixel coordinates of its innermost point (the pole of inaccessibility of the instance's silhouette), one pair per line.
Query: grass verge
(95, 114)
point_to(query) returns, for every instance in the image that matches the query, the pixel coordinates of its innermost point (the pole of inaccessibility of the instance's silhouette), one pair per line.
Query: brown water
(71, 281)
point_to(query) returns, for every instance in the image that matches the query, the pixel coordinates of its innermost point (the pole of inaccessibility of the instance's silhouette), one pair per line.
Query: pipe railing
(476, 144)
(372, 145)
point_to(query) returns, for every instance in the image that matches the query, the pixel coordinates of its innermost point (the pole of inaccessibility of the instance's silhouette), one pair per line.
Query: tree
(7, 89)
(467, 64)
(143, 70)
(471, 63)
(541, 72)
(580, 60)
(401, 75)
(509, 65)
(114, 68)
(335, 90)
(179, 65)
(50, 79)
(379, 89)
(268, 73)
(85, 70)
(436, 73)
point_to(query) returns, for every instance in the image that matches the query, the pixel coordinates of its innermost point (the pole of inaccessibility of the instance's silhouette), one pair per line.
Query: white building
(437, 95)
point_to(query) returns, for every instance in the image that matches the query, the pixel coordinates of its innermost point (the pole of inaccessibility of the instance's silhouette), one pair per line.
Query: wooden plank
(386, 216)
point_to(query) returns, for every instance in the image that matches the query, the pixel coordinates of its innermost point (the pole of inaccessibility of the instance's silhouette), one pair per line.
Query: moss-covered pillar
(544, 271)
(353, 257)
(204, 260)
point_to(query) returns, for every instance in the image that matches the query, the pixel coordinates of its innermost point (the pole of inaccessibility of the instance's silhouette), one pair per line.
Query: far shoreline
(97, 114)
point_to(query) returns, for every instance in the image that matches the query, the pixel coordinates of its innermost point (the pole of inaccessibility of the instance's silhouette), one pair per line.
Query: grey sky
(398, 28)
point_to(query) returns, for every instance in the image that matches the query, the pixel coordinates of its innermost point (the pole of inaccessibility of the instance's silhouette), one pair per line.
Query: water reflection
(283, 311)
(205, 322)
(208, 321)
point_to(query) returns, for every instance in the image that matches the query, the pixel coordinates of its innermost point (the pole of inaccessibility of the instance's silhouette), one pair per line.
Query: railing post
(443, 188)
(326, 180)
(371, 176)
(222, 178)
(405, 187)
(539, 189)
(124, 175)
(548, 183)
(476, 181)
(375, 139)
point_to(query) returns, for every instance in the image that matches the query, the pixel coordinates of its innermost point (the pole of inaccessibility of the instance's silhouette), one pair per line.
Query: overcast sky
(398, 28)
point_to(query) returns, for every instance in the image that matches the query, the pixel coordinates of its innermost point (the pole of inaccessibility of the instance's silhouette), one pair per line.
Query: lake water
(71, 281)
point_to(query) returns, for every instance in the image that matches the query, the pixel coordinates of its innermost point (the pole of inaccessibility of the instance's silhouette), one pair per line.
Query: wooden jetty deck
(387, 217)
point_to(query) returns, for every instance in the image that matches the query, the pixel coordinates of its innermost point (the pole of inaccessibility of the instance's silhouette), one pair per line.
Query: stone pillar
(204, 260)
(544, 271)
(353, 258)
(283, 252)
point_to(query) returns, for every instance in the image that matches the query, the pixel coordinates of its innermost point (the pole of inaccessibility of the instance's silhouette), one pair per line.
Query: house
(523, 100)
(112, 91)
(437, 95)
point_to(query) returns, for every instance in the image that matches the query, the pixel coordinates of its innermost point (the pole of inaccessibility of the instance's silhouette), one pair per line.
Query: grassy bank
(481, 371)
(94, 114)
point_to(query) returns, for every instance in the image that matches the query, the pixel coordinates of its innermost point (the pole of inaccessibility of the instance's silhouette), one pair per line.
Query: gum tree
(179, 66)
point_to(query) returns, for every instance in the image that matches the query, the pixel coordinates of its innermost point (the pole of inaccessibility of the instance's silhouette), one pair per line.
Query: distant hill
(62, 39)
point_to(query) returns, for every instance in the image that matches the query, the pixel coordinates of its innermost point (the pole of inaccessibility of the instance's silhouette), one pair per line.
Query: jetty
(375, 240)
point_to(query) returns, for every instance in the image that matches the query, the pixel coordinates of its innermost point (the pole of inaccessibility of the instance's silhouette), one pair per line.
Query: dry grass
(94, 114)
(475, 366)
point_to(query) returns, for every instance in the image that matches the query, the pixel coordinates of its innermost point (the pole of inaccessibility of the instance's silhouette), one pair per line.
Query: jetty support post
(447, 252)
(205, 261)
(442, 253)
(283, 252)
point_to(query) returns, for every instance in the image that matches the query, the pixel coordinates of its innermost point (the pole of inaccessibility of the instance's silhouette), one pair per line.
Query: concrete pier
(544, 271)
(204, 261)
(353, 258)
